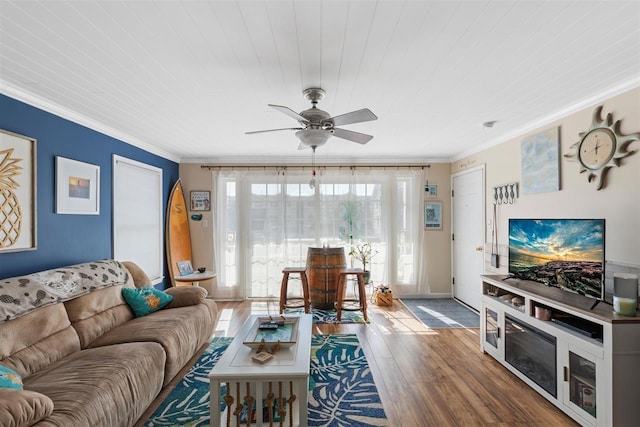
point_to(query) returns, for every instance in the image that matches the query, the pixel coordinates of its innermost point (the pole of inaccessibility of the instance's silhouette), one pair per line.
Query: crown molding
(53, 108)
(546, 120)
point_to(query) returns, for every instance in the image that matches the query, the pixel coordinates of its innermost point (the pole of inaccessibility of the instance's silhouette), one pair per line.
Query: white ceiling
(186, 79)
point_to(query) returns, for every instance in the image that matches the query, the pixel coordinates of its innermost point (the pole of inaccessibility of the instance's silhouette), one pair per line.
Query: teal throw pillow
(145, 300)
(10, 378)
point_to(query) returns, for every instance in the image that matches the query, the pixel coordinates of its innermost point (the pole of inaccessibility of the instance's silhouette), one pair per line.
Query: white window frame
(129, 208)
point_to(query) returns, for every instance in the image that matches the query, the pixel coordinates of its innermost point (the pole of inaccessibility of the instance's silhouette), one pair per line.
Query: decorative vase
(366, 276)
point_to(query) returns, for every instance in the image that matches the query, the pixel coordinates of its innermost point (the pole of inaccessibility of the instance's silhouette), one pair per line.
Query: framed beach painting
(540, 162)
(77, 187)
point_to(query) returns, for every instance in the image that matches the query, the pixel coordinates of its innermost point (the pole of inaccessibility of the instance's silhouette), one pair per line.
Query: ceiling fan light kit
(319, 126)
(313, 138)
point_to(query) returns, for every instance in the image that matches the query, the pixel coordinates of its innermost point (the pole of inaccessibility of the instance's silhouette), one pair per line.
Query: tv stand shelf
(595, 371)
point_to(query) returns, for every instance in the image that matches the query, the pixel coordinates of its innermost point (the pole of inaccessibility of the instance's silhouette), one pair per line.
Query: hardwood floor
(425, 377)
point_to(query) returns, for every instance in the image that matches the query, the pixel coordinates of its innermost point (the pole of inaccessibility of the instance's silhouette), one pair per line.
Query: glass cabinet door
(492, 328)
(581, 383)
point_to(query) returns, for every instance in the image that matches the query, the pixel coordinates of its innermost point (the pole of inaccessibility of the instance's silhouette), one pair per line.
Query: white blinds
(137, 215)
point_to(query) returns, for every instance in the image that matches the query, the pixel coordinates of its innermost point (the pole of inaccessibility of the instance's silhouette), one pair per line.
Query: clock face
(597, 148)
(601, 147)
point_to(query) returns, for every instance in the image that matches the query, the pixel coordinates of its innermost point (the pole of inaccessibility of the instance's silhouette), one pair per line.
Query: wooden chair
(362, 295)
(296, 302)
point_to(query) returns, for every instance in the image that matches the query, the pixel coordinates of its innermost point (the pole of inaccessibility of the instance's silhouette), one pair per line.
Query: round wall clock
(601, 147)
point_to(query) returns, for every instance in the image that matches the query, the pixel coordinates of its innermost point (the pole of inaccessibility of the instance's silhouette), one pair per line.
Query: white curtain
(267, 219)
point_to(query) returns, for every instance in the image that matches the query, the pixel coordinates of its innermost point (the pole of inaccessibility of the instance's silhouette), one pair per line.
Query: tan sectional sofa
(84, 358)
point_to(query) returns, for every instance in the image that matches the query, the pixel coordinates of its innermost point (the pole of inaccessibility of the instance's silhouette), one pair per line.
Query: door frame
(484, 220)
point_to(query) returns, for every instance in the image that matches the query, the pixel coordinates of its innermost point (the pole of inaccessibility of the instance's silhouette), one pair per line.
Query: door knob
(479, 248)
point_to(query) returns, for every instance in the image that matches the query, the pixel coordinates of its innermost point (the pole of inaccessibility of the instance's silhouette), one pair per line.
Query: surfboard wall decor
(178, 239)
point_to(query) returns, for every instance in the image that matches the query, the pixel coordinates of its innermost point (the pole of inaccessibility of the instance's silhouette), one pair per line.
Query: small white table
(196, 277)
(286, 373)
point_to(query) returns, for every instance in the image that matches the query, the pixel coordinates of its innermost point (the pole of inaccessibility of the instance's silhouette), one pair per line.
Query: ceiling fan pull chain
(312, 183)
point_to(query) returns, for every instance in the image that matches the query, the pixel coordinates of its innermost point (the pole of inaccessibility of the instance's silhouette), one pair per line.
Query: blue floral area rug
(342, 391)
(440, 313)
(330, 316)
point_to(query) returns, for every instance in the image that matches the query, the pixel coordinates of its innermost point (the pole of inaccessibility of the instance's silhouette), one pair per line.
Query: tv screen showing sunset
(566, 253)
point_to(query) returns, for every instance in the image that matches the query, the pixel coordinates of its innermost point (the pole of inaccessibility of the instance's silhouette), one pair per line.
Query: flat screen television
(564, 253)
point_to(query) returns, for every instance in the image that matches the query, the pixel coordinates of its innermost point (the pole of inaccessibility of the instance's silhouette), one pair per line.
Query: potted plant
(363, 252)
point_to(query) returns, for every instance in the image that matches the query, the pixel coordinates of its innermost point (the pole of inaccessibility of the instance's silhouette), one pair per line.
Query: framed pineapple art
(17, 192)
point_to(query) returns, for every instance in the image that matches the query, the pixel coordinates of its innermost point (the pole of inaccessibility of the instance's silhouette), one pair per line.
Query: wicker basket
(384, 298)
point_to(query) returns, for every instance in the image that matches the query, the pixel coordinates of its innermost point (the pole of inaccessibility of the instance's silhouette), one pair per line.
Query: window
(266, 222)
(137, 216)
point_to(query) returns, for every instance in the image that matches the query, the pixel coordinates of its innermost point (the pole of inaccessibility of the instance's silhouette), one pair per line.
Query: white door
(467, 221)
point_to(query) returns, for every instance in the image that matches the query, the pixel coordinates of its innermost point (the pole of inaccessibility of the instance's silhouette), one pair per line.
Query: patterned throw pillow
(10, 378)
(145, 300)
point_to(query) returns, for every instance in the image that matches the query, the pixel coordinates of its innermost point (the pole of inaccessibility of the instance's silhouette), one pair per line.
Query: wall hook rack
(505, 194)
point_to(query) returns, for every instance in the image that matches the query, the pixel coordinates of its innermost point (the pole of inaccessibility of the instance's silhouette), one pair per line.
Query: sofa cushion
(145, 300)
(34, 341)
(186, 295)
(23, 407)
(181, 332)
(102, 387)
(140, 278)
(22, 295)
(98, 312)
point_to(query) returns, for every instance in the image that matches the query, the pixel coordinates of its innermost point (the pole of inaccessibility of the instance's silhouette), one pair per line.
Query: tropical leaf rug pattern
(342, 391)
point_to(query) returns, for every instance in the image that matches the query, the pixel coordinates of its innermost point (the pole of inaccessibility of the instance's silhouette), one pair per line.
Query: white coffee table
(286, 373)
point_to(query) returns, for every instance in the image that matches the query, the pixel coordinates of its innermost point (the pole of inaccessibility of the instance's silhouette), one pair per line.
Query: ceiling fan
(318, 126)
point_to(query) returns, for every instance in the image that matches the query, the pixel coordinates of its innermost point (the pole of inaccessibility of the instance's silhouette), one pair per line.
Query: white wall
(438, 242)
(618, 202)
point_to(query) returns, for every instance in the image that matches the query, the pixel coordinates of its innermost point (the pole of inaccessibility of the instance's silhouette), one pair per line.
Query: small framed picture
(77, 187)
(433, 215)
(184, 267)
(200, 200)
(431, 190)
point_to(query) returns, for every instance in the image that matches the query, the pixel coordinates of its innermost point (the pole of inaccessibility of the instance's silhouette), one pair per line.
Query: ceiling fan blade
(360, 138)
(271, 130)
(289, 112)
(364, 115)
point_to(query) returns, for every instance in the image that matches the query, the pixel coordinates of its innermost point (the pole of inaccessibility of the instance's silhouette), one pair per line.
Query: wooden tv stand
(597, 352)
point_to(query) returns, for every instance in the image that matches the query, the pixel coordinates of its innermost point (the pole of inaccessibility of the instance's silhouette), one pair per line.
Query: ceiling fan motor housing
(316, 117)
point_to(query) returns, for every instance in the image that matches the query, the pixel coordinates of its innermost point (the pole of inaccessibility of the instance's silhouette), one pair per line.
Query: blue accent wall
(70, 239)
